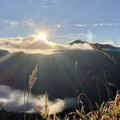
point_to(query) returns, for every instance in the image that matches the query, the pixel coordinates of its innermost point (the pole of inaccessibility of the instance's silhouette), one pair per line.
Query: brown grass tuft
(103, 51)
(46, 104)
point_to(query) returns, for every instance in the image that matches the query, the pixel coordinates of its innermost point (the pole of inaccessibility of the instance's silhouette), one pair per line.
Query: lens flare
(90, 36)
(41, 36)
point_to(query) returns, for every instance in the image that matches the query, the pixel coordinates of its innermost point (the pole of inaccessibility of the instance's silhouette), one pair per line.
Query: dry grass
(32, 79)
(46, 104)
(103, 51)
(107, 111)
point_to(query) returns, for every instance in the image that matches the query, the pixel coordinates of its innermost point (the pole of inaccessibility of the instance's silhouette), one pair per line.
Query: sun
(41, 36)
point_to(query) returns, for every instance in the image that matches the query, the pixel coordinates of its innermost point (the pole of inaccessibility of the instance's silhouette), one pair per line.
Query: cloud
(28, 42)
(107, 24)
(13, 100)
(95, 24)
(104, 24)
(84, 46)
(76, 36)
(80, 25)
(29, 22)
(11, 22)
(45, 6)
(108, 42)
(35, 45)
(57, 25)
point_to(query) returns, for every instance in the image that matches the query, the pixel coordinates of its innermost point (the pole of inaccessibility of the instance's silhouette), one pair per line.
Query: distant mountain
(4, 115)
(3, 52)
(77, 42)
(57, 75)
(104, 46)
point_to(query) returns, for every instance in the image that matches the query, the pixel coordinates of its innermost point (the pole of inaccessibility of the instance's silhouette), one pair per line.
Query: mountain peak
(77, 42)
(104, 46)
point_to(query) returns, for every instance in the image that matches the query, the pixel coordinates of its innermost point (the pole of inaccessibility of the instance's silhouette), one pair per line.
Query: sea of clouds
(30, 43)
(13, 100)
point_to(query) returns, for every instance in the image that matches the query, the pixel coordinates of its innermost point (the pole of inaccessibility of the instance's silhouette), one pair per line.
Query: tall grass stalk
(24, 100)
(32, 79)
(106, 84)
(46, 104)
(76, 72)
(54, 117)
(103, 51)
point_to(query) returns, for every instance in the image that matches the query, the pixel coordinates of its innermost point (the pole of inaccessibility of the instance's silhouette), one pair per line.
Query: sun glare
(41, 36)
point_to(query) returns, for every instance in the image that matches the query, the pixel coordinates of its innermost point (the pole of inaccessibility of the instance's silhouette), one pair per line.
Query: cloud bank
(13, 100)
(35, 45)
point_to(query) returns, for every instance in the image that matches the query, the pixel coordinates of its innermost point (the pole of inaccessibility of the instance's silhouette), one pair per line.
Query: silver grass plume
(103, 51)
(32, 79)
(76, 66)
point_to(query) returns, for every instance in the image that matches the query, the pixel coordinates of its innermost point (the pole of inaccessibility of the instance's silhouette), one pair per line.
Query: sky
(61, 20)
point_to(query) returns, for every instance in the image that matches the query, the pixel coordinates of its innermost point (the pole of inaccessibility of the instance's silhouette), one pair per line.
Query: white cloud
(11, 22)
(56, 25)
(33, 45)
(105, 24)
(28, 42)
(76, 36)
(45, 6)
(59, 25)
(96, 24)
(108, 42)
(29, 22)
(80, 25)
(84, 46)
(13, 100)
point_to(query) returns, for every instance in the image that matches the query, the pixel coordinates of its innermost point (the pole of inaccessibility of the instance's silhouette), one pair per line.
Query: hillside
(56, 72)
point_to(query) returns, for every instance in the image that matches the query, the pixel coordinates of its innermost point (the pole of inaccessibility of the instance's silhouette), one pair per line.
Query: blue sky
(62, 20)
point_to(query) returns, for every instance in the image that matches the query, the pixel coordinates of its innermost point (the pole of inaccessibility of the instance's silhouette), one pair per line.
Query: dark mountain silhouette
(76, 42)
(56, 72)
(4, 115)
(104, 46)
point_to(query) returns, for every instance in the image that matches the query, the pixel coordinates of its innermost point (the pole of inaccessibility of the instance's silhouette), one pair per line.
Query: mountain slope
(104, 46)
(56, 73)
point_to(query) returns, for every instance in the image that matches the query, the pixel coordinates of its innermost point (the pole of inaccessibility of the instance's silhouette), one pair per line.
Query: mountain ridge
(104, 46)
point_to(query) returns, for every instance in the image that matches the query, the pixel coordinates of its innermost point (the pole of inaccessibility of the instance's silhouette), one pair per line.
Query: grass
(106, 111)
(32, 79)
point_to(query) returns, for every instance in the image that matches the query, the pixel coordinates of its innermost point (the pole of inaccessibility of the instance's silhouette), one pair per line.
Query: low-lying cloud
(34, 45)
(13, 100)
